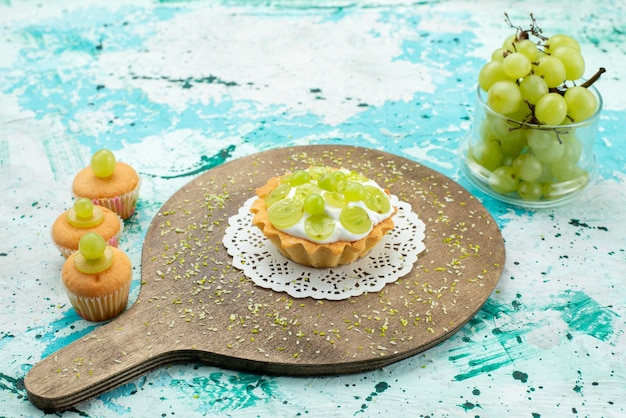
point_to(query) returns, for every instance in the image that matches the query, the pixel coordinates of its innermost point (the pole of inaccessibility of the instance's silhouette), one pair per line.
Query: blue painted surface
(177, 87)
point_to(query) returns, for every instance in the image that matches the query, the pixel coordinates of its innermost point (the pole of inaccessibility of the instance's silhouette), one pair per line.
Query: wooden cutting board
(194, 306)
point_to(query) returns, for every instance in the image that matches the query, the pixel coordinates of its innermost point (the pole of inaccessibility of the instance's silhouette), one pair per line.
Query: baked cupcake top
(325, 205)
(96, 270)
(81, 218)
(105, 177)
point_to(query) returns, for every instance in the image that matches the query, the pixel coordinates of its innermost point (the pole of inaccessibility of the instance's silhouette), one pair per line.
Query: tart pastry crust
(307, 252)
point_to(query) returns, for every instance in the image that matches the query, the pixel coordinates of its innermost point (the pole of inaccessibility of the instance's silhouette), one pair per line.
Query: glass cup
(529, 165)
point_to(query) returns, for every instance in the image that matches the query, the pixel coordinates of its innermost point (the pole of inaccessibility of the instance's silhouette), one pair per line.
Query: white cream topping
(340, 233)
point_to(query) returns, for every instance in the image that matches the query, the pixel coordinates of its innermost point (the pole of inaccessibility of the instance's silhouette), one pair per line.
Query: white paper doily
(389, 260)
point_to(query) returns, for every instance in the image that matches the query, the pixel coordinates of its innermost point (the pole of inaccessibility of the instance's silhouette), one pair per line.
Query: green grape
(91, 245)
(485, 129)
(581, 103)
(551, 109)
(504, 97)
(499, 127)
(285, 213)
(490, 73)
(509, 42)
(103, 163)
(498, 54)
(314, 204)
(529, 191)
(277, 194)
(507, 160)
(564, 169)
(572, 60)
(551, 70)
(516, 65)
(557, 190)
(327, 181)
(572, 148)
(316, 171)
(558, 40)
(377, 200)
(533, 88)
(513, 143)
(539, 139)
(354, 191)
(521, 114)
(319, 227)
(94, 256)
(527, 167)
(528, 48)
(335, 199)
(83, 214)
(507, 132)
(355, 220)
(503, 180)
(552, 152)
(546, 175)
(339, 176)
(341, 185)
(299, 177)
(303, 190)
(487, 153)
(540, 54)
(83, 208)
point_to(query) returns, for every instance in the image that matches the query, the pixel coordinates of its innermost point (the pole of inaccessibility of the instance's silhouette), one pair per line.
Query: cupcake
(84, 217)
(323, 217)
(97, 279)
(109, 183)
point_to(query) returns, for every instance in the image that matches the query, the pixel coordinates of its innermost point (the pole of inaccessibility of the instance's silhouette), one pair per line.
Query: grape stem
(522, 34)
(563, 88)
(520, 125)
(594, 78)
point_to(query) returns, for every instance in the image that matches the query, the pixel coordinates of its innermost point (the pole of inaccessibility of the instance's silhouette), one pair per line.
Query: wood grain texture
(194, 306)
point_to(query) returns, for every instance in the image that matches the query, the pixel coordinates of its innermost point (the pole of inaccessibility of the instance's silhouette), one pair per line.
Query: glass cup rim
(481, 100)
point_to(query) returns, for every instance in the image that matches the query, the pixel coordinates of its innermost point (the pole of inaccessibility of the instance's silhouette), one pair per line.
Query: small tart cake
(85, 217)
(109, 183)
(323, 217)
(97, 287)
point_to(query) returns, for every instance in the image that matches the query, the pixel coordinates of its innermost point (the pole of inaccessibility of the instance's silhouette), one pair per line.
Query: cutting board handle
(104, 359)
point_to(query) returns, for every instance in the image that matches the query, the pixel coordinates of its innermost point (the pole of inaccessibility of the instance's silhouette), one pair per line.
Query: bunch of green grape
(527, 141)
(319, 192)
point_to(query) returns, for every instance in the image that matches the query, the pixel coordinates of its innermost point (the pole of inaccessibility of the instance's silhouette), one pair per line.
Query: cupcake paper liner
(123, 205)
(100, 308)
